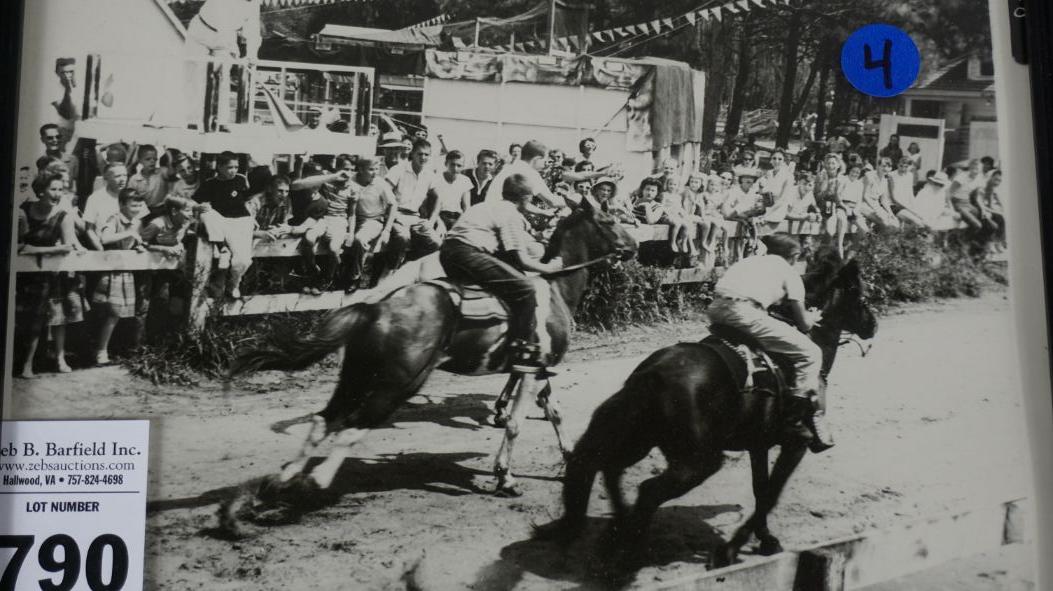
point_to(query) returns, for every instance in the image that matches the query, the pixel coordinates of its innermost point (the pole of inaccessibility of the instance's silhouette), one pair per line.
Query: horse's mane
(555, 243)
(822, 273)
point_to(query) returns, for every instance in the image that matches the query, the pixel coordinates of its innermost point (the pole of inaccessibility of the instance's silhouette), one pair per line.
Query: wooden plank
(691, 275)
(96, 260)
(282, 248)
(773, 573)
(289, 302)
(859, 561)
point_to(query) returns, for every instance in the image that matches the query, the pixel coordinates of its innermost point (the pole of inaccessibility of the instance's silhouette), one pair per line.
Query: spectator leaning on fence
(271, 210)
(411, 181)
(103, 204)
(374, 216)
(227, 219)
(150, 181)
(452, 191)
(877, 201)
(991, 209)
(121, 294)
(47, 300)
(332, 230)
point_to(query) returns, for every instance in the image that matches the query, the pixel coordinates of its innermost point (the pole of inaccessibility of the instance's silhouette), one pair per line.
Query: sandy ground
(929, 422)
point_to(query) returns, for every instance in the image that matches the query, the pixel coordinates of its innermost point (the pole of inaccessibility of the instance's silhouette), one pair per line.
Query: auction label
(72, 504)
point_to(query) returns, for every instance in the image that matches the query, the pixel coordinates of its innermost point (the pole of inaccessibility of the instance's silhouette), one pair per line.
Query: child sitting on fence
(802, 206)
(308, 209)
(647, 208)
(270, 210)
(605, 192)
(169, 289)
(227, 220)
(373, 218)
(121, 294)
(47, 300)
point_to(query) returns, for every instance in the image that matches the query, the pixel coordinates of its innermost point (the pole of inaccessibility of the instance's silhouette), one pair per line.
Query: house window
(928, 109)
(980, 68)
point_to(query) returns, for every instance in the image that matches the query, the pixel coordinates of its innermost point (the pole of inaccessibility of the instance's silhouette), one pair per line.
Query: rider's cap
(782, 244)
(516, 187)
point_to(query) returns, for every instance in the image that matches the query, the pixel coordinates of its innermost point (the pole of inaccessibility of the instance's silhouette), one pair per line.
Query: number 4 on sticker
(885, 63)
(880, 47)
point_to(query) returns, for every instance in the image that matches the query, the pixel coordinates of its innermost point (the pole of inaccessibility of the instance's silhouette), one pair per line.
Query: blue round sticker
(880, 60)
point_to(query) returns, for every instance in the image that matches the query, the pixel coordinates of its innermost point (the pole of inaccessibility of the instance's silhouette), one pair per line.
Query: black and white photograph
(531, 294)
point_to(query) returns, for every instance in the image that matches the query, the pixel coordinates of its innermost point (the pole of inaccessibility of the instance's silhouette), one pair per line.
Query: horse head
(846, 304)
(589, 234)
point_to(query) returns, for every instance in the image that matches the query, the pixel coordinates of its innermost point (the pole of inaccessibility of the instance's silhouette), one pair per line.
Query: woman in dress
(47, 300)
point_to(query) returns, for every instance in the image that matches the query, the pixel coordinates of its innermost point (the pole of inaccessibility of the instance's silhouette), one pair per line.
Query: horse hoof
(724, 555)
(508, 491)
(769, 546)
(500, 421)
(232, 514)
(558, 531)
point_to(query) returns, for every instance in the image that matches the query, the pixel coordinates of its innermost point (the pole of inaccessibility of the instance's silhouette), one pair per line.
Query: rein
(578, 266)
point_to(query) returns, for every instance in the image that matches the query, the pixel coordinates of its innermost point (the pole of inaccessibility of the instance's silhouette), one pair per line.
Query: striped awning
(278, 3)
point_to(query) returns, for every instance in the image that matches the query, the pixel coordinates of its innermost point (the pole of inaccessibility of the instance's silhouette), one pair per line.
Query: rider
(489, 246)
(743, 295)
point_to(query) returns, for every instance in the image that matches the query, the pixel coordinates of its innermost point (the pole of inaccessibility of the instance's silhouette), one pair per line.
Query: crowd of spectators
(358, 219)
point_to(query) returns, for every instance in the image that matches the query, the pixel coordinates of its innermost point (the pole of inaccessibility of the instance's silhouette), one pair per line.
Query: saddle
(748, 361)
(475, 303)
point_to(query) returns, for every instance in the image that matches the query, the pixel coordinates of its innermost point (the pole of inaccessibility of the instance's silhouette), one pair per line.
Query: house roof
(274, 3)
(954, 77)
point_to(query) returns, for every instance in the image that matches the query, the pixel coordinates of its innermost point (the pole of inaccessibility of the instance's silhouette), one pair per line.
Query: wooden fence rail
(198, 266)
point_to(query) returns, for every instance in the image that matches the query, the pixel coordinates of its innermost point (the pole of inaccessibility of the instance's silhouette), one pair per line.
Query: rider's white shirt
(766, 279)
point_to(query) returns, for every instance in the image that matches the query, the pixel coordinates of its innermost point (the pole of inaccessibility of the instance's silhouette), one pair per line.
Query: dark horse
(684, 400)
(394, 344)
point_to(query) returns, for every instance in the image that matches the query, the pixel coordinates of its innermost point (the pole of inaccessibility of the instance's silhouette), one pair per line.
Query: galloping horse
(685, 400)
(393, 345)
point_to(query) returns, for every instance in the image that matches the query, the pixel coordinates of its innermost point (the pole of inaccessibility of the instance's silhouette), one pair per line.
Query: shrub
(183, 358)
(633, 293)
(910, 266)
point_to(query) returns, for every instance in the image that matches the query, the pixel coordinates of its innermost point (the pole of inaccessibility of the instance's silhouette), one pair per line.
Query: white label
(72, 504)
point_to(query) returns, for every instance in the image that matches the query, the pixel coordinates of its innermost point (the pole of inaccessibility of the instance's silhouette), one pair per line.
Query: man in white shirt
(742, 298)
(453, 191)
(410, 181)
(532, 162)
(102, 204)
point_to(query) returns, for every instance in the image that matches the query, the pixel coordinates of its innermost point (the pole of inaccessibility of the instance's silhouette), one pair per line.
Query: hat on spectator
(743, 171)
(606, 182)
(940, 178)
(391, 139)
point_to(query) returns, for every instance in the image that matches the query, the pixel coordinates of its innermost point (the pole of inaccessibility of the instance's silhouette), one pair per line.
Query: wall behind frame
(1025, 269)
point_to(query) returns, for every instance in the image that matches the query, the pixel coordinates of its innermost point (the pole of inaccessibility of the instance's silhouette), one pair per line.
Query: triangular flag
(657, 26)
(715, 11)
(745, 4)
(691, 18)
(598, 35)
(759, 3)
(668, 22)
(730, 7)
(621, 32)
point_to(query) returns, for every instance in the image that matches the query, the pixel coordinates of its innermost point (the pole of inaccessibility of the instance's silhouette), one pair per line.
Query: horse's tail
(292, 352)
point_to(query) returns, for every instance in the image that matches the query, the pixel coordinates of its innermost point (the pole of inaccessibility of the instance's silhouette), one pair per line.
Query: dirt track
(929, 422)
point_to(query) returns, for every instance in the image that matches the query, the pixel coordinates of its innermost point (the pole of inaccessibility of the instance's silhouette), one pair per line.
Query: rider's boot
(815, 419)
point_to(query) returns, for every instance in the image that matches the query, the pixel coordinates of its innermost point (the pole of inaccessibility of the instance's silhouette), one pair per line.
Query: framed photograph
(458, 295)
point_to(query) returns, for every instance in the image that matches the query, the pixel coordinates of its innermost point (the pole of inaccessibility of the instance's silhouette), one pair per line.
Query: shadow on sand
(430, 472)
(677, 534)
